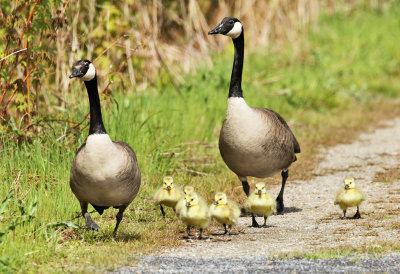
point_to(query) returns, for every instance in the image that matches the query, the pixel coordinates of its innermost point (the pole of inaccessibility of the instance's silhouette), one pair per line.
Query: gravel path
(311, 222)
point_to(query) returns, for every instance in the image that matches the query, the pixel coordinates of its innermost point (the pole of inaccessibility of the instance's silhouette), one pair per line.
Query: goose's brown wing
(276, 117)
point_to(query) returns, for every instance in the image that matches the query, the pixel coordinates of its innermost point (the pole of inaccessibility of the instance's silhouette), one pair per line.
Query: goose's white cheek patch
(235, 31)
(90, 73)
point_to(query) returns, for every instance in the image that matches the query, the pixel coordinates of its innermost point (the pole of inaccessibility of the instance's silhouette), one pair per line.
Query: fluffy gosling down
(182, 202)
(260, 202)
(349, 196)
(224, 211)
(195, 213)
(168, 195)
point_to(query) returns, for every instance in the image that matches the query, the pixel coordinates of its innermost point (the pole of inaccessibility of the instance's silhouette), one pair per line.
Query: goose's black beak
(187, 204)
(216, 202)
(346, 187)
(216, 30)
(168, 188)
(259, 192)
(75, 73)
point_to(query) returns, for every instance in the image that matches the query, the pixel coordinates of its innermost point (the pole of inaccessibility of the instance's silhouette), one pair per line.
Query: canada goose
(349, 196)
(168, 194)
(104, 173)
(253, 141)
(195, 213)
(224, 211)
(261, 202)
(182, 202)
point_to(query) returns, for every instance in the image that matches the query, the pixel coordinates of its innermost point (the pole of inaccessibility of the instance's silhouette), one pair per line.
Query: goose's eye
(220, 199)
(231, 21)
(192, 199)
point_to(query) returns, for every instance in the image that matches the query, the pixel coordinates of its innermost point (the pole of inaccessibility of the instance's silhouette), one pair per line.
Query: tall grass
(344, 66)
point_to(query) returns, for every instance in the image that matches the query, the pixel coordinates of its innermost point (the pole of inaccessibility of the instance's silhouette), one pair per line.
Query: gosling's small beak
(346, 187)
(168, 188)
(259, 192)
(216, 30)
(187, 204)
(75, 73)
(216, 202)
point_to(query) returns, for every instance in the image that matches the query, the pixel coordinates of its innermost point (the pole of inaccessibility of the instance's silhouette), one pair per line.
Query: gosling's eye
(192, 199)
(220, 199)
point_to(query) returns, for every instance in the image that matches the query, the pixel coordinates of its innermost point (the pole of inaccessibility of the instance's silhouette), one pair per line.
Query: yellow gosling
(195, 213)
(224, 211)
(168, 195)
(349, 196)
(182, 202)
(260, 202)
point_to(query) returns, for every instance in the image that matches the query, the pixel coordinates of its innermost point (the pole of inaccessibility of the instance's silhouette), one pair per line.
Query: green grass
(323, 84)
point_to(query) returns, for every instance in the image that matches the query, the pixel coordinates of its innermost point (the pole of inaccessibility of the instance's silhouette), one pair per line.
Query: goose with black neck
(104, 173)
(253, 141)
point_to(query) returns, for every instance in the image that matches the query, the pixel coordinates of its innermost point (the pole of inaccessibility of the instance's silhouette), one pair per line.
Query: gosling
(260, 202)
(182, 202)
(168, 195)
(349, 196)
(195, 214)
(224, 211)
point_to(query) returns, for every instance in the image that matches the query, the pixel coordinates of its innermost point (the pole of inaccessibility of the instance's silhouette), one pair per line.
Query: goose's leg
(246, 187)
(344, 213)
(162, 210)
(119, 218)
(226, 231)
(88, 220)
(357, 215)
(229, 229)
(279, 199)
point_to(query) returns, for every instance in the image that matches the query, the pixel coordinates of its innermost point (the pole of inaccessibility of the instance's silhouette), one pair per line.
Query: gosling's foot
(357, 215)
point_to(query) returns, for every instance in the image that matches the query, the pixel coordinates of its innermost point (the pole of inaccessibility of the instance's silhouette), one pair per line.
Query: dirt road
(311, 221)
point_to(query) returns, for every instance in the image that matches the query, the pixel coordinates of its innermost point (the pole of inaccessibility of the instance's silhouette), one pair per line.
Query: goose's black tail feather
(100, 209)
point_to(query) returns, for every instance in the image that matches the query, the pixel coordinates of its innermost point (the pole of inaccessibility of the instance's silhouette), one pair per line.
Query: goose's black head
(83, 69)
(229, 26)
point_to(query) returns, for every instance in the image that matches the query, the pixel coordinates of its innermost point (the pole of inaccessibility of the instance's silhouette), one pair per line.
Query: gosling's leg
(265, 222)
(119, 216)
(201, 234)
(162, 210)
(279, 199)
(88, 220)
(226, 231)
(357, 215)
(229, 229)
(253, 221)
(188, 231)
(344, 213)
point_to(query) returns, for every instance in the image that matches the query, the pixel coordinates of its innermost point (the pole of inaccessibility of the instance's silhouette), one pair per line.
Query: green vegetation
(339, 78)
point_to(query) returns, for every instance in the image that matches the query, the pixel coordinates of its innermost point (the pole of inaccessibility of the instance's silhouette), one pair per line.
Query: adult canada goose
(253, 141)
(349, 196)
(104, 173)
